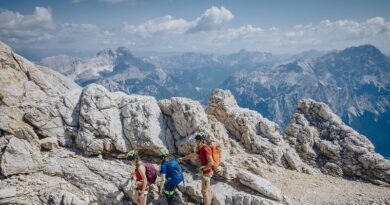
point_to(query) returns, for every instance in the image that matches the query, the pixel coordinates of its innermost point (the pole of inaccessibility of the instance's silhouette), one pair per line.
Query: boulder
(144, 124)
(224, 194)
(20, 157)
(260, 185)
(188, 116)
(100, 122)
(185, 117)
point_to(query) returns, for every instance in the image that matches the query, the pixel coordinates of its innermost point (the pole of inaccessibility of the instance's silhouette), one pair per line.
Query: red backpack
(151, 172)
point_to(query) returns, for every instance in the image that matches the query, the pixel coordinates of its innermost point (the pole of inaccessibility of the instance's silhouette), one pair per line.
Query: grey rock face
(185, 117)
(144, 124)
(257, 134)
(20, 157)
(322, 140)
(100, 124)
(23, 84)
(57, 117)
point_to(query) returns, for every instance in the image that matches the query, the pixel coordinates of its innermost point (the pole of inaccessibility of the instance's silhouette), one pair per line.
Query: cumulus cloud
(39, 30)
(158, 25)
(214, 18)
(17, 27)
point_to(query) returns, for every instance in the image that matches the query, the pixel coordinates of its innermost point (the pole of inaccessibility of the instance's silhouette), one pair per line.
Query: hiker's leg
(134, 198)
(169, 191)
(170, 200)
(143, 199)
(206, 191)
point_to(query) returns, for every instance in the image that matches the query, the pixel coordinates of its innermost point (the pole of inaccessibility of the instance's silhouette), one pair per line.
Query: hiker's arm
(162, 183)
(142, 171)
(209, 161)
(188, 156)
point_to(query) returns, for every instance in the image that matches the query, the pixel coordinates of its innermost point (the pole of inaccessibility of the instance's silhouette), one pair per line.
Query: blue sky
(82, 27)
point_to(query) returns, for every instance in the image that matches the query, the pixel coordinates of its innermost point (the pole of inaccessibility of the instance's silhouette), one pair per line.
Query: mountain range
(354, 82)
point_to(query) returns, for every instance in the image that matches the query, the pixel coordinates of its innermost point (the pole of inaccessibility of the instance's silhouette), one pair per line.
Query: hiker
(171, 175)
(141, 189)
(206, 160)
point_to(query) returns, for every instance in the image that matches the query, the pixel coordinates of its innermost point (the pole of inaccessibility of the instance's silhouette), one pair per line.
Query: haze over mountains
(354, 82)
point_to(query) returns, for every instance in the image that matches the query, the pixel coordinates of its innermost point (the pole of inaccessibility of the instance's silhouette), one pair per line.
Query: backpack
(217, 151)
(173, 166)
(151, 173)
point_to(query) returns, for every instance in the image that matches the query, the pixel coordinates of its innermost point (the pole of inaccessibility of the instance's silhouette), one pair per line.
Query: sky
(39, 28)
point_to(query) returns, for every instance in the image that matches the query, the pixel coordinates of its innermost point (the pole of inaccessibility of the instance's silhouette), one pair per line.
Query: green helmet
(163, 152)
(200, 136)
(132, 154)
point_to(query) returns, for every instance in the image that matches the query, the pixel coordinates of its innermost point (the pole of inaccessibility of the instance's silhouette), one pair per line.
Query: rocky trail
(62, 144)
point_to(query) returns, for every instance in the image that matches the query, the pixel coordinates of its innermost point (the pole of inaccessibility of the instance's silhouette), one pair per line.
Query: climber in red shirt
(206, 160)
(141, 186)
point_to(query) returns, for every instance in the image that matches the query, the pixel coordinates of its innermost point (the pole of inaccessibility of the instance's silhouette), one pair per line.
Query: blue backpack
(175, 170)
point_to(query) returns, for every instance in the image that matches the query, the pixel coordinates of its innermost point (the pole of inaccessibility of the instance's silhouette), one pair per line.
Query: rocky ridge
(60, 144)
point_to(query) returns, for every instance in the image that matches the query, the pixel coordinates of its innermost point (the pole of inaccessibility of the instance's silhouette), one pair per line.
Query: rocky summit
(63, 144)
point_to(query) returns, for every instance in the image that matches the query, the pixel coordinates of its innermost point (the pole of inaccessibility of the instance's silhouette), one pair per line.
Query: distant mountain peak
(106, 52)
(123, 51)
(363, 50)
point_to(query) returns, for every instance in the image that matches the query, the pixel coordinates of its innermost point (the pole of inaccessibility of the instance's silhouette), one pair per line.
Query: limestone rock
(144, 124)
(258, 134)
(23, 84)
(323, 141)
(57, 117)
(186, 117)
(20, 157)
(49, 143)
(260, 184)
(100, 122)
(101, 179)
(225, 194)
(6, 192)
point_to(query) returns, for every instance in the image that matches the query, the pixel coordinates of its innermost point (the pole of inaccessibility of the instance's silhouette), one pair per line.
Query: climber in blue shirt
(171, 175)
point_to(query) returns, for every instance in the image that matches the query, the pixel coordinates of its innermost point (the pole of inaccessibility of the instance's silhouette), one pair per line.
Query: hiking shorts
(171, 184)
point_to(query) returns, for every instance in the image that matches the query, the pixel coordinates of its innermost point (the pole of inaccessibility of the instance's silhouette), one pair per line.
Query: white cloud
(325, 35)
(39, 30)
(214, 18)
(158, 25)
(35, 27)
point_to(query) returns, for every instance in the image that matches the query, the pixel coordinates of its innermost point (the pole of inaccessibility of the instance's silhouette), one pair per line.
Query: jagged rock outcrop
(144, 124)
(258, 134)
(100, 124)
(23, 84)
(57, 117)
(185, 117)
(323, 141)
